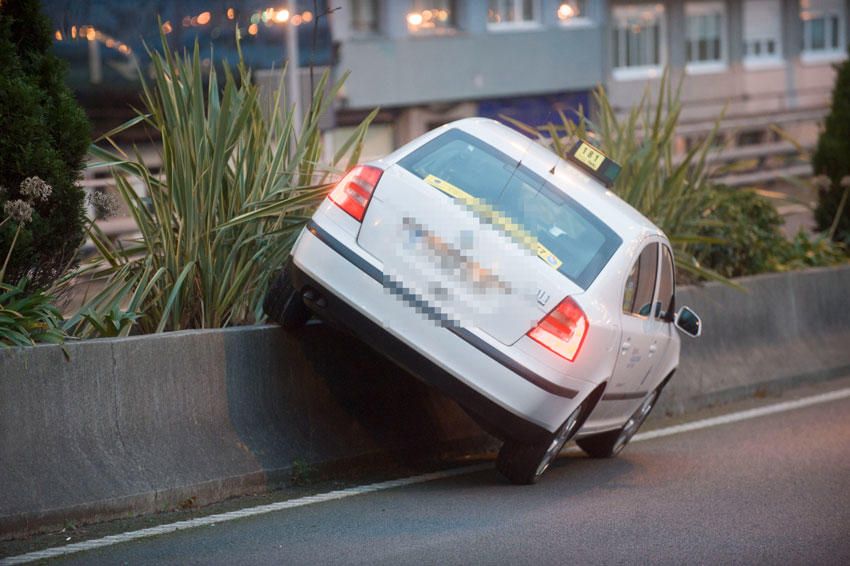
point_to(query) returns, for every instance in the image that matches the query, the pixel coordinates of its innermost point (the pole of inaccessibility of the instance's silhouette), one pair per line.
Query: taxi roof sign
(594, 162)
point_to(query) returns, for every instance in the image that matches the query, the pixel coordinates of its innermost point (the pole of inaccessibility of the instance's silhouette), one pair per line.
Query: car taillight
(562, 330)
(353, 191)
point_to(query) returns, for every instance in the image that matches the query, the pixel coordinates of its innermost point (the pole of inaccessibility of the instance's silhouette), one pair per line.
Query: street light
(293, 81)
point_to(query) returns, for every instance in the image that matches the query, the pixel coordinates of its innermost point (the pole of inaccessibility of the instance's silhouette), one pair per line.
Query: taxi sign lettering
(589, 156)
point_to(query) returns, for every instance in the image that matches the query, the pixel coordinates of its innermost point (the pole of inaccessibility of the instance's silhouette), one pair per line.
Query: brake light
(353, 191)
(562, 330)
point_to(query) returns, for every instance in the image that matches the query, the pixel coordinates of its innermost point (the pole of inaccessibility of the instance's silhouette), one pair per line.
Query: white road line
(744, 415)
(381, 486)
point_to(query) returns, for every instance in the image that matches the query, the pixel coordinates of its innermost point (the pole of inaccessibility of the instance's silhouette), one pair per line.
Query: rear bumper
(492, 417)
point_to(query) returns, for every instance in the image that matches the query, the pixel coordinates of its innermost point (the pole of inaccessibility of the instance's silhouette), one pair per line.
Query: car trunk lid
(455, 262)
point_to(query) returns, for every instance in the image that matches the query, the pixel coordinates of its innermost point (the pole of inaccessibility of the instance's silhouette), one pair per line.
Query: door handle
(625, 347)
(653, 348)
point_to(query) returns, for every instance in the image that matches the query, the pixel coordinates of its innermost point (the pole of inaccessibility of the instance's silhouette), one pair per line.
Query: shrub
(811, 251)
(745, 237)
(43, 132)
(238, 185)
(832, 159)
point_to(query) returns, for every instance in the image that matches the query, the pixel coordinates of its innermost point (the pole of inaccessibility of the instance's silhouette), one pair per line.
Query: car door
(665, 306)
(641, 331)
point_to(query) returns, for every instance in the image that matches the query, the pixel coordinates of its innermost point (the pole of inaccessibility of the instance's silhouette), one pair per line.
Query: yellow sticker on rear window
(547, 256)
(591, 157)
(449, 189)
(497, 219)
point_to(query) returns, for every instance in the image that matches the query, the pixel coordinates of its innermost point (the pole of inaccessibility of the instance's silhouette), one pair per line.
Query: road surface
(768, 490)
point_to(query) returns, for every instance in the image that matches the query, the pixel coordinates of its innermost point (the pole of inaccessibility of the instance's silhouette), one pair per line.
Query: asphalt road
(771, 490)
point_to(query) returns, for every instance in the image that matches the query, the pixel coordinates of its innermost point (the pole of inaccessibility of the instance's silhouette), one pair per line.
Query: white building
(426, 62)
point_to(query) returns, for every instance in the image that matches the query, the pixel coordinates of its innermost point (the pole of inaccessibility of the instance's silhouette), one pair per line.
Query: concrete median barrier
(127, 426)
(144, 424)
(787, 329)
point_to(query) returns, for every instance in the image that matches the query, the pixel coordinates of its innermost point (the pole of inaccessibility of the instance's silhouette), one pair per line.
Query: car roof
(627, 222)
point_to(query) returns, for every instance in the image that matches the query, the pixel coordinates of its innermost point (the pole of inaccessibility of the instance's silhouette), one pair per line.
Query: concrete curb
(142, 424)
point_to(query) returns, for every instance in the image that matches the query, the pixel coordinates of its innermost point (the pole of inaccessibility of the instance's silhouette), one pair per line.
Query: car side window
(665, 304)
(637, 298)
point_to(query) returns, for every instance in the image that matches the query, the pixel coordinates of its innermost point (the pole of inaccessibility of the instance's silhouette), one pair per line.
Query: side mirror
(688, 322)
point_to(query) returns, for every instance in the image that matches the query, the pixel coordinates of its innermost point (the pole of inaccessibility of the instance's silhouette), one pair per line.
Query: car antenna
(548, 116)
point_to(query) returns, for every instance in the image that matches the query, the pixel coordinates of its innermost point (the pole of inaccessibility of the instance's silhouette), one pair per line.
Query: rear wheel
(283, 304)
(525, 463)
(608, 444)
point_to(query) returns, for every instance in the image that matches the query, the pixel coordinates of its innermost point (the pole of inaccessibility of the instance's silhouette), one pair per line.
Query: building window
(762, 31)
(638, 39)
(705, 35)
(430, 16)
(364, 16)
(572, 11)
(511, 13)
(823, 27)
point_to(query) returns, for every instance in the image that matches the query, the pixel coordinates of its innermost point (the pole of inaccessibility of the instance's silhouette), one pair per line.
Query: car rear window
(562, 232)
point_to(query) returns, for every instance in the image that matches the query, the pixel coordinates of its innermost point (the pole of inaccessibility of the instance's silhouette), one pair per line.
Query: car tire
(609, 444)
(283, 304)
(524, 464)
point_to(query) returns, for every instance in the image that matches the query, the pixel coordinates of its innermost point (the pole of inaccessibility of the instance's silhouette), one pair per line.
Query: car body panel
(481, 340)
(471, 271)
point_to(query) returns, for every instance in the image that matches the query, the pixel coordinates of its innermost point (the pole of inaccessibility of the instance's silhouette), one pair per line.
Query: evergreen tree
(832, 157)
(43, 133)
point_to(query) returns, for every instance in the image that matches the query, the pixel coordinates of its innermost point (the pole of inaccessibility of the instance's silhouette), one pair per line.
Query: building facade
(426, 62)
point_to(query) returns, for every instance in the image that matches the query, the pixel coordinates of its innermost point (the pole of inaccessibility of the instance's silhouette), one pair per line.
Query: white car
(509, 278)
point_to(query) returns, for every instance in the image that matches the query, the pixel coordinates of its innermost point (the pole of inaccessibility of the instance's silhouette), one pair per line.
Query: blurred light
(566, 11)
(58, 35)
(91, 34)
(253, 29)
(231, 13)
(204, 18)
(296, 20)
(281, 16)
(307, 17)
(110, 43)
(166, 27)
(414, 19)
(124, 49)
(255, 18)
(74, 32)
(427, 15)
(187, 21)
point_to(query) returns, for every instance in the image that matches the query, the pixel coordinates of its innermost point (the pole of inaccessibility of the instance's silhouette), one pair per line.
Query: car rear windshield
(563, 233)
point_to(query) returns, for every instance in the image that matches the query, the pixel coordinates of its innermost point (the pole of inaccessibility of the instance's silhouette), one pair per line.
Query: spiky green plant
(27, 318)
(674, 192)
(237, 184)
